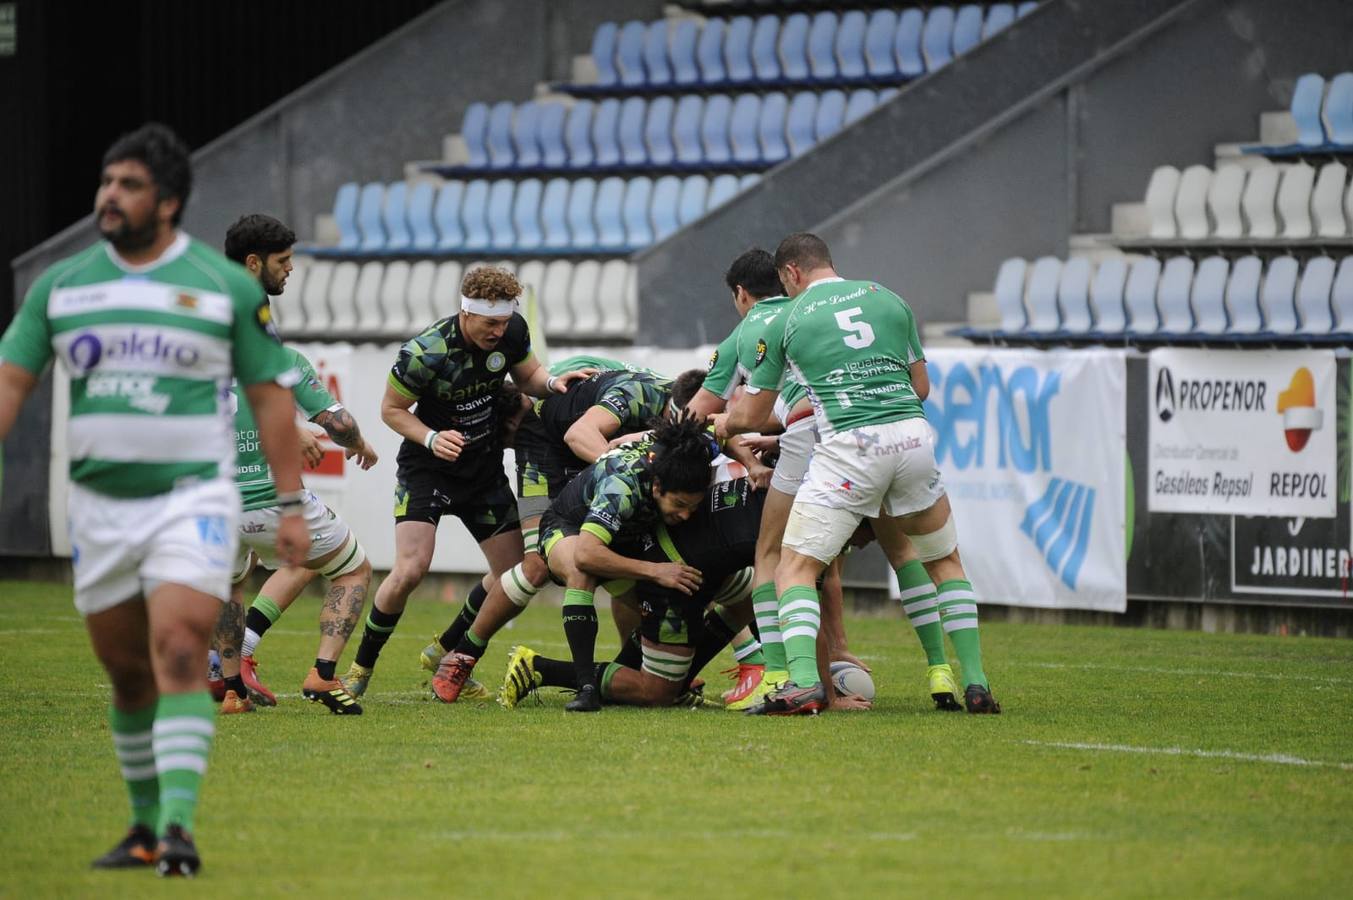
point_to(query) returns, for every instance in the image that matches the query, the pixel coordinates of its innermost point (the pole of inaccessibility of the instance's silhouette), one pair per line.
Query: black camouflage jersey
(719, 539)
(634, 398)
(613, 497)
(455, 384)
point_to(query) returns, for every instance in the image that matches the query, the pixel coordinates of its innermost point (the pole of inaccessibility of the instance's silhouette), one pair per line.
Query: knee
(407, 574)
(133, 680)
(535, 570)
(180, 648)
(655, 691)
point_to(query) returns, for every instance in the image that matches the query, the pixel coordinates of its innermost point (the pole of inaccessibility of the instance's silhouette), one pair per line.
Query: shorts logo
(496, 361)
(760, 351)
(211, 530)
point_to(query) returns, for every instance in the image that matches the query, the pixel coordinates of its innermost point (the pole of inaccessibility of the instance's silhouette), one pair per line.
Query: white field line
(631, 834)
(1280, 759)
(1274, 676)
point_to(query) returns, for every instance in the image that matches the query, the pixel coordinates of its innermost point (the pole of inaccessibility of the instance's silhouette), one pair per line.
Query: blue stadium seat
(794, 48)
(423, 234)
(862, 102)
(629, 54)
(578, 135)
(822, 48)
(937, 37)
(742, 125)
(638, 199)
(1242, 296)
(1339, 109)
(770, 128)
(502, 236)
(1209, 296)
(765, 60)
(1172, 296)
(886, 94)
(656, 61)
(686, 130)
(1307, 98)
(880, 59)
(831, 114)
(1106, 293)
(1341, 297)
(395, 218)
(1041, 295)
(474, 208)
(722, 189)
(582, 227)
(1313, 297)
(603, 54)
(554, 215)
(1073, 296)
(605, 124)
(658, 132)
(630, 132)
(691, 205)
(907, 43)
(1140, 296)
(1278, 295)
(525, 136)
(345, 217)
(526, 215)
(446, 214)
(709, 54)
(474, 132)
(666, 199)
(999, 17)
(850, 62)
(685, 71)
(967, 28)
(1009, 292)
(1026, 7)
(553, 151)
(369, 213)
(609, 214)
(498, 137)
(714, 130)
(737, 51)
(800, 123)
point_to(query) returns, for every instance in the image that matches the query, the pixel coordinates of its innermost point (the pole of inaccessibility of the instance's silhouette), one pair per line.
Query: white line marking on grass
(34, 631)
(631, 834)
(1280, 759)
(1203, 672)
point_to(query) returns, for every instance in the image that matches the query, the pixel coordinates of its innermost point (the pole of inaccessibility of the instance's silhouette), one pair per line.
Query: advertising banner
(1032, 447)
(1244, 432)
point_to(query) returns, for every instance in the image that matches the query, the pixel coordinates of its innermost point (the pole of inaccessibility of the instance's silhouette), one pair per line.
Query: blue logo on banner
(1059, 525)
(960, 410)
(212, 530)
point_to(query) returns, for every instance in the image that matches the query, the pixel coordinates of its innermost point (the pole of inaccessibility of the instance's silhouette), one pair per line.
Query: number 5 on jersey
(858, 334)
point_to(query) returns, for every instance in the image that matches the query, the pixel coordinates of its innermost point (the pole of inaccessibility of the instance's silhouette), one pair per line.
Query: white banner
(1248, 433)
(1033, 449)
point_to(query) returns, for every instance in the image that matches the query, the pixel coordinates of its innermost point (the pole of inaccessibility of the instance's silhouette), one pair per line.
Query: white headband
(481, 307)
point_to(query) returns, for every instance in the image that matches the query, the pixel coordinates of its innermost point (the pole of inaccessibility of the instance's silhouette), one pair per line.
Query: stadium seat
(714, 130)
(887, 94)
(502, 236)
(1327, 200)
(1338, 110)
(1009, 291)
(526, 214)
(418, 296)
(343, 295)
(603, 54)
(395, 218)
(638, 199)
(737, 51)
(879, 34)
(474, 215)
(446, 215)
(664, 211)
(1041, 295)
(531, 276)
(1106, 293)
(1307, 98)
(722, 189)
(369, 212)
(1278, 295)
(444, 297)
(423, 233)
(578, 135)
(1139, 296)
(765, 59)
(1160, 194)
(1209, 296)
(822, 48)
(656, 63)
(1242, 296)
(999, 17)
(554, 297)
(1294, 201)
(907, 43)
(770, 128)
(584, 314)
(794, 48)
(611, 284)
(691, 205)
(1172, 296)
(630, 132)
(861, 103)
(474, 128)
(1073, 295)
(1223, 202)
(685, 70)
(526, 136)
(1026, 7)
(1258, 202)
(582, 227)
(498, 137)
(1313, 297)
(746, 181)
(631, 298)
(937, 37)
(800, 122)
(742, 125)
(392, 316)
(686, 131)
(1190, 203)
(658, 132)
(967, 28)
(709, 54)
(1341, 297)
(609, 214)
(831, 114)
(605, 142)
(629, 54)
(554, 215)
(315, 297)
(345, 217)
(553, 150)
(850, 62)
(289, 315)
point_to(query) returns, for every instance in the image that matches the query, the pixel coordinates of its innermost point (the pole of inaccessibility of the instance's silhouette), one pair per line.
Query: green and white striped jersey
(851, 345)
(743, 350)
(150, 351)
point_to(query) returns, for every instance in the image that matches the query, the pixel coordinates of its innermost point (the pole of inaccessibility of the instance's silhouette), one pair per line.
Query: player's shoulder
(298, 359)
(234, 277)
(68, 268)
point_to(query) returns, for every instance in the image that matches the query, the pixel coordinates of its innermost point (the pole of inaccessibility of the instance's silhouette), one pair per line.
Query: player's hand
(366, 457)
(758, 476)
(720, 422)
(847, 656)
(448, 445)
(628, 438)
(312, 454)
(849, 703)
(564, 379)
(293, 540)
(678, 576)
(761, 444)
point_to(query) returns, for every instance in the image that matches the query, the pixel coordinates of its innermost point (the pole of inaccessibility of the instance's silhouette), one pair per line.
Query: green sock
(922, 608)
(958, 612)
(132, 741)
(184, 726)
(767, 611)
(800, 618)
(268, 607)
(748, 653)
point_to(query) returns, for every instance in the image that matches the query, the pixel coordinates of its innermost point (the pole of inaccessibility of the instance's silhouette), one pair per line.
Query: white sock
(251, 639)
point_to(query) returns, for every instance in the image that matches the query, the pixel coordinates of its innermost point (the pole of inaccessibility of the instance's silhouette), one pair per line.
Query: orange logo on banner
(1297, 405)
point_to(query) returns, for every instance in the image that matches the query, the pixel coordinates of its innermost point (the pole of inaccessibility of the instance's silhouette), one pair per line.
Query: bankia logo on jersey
(1031, 446)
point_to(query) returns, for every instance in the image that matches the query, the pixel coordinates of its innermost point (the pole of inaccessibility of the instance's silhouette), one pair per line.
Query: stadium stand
(1323, 115)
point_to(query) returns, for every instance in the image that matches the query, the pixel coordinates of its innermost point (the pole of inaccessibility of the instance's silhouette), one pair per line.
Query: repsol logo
(982, 410)
(88, 350)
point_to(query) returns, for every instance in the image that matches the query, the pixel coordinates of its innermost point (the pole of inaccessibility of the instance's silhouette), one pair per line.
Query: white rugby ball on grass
(849, 678)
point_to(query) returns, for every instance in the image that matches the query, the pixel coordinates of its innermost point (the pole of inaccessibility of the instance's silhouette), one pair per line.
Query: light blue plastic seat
(554, 215)
(967, 28)
(862, 102)
(1341, 297)
(850, 62)
(1307, 99)
(907, 43)
(800, 122)
(638, 199)
(770, 128)
(1106, 293)
(1278, 295)
(691, 204)
(1209, 295)
(1025, 8)
(1040, 295)
(526, 215)
(446, 214)
(1073, 296)
(369, 213)
(474, 128)
(722, 189)
(605, 142)
(630, 132)
(663, 211)
(498, 137)
(629, 54)
(999, 17)
(887, 94)
(685, 70)
(658, 131)
(582, 227)
(526, 136)
(737, 51)
(474, 209)
(794, 49)
(345, 217)
(714, 130)
(603, 54)
(742, 125)
(609, 214)
(746, 181)
(880, 58)
(1242, 296)
(1172, 296)
(831, 114)
(422, 232)
(1313, 297)
(395, 218)
(822, 48)
(1339, 109)
(709, 54)
(656, 62)
(1139, 297)
(1009, 291)
(765, 58)
(686, 130)
(937, 37)
(502, 236)
(578, 135)
(553, 150)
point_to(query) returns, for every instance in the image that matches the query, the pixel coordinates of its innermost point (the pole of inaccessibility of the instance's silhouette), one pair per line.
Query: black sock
(715, 634)
(470, 646)
(257, 622)
(236, 683)
(580, 627)
(555, 673)
(455, 632)
(379, 626)
(325, 668)
(631, 654)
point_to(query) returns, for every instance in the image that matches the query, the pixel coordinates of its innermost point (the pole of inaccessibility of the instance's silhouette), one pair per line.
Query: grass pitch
(1127, 763)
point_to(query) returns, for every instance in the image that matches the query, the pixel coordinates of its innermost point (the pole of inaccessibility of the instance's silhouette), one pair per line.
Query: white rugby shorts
(258, 535)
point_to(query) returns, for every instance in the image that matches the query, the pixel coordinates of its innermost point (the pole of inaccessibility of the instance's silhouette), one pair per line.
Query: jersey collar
(827, 280)
(171, 253)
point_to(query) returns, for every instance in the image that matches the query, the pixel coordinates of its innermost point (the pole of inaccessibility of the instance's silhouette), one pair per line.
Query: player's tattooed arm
(342, 429)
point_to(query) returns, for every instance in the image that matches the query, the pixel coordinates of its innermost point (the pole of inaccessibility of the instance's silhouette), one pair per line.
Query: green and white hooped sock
(958, 612)
(800, 619)
(921, 604)
(766, 608)
(183, 731)
(132, 740)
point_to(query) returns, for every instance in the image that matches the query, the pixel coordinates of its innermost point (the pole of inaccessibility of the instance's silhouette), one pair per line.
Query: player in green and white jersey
(855, 348)
(151, 325)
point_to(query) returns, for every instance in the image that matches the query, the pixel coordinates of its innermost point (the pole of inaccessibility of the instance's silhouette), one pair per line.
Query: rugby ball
(849, 678)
